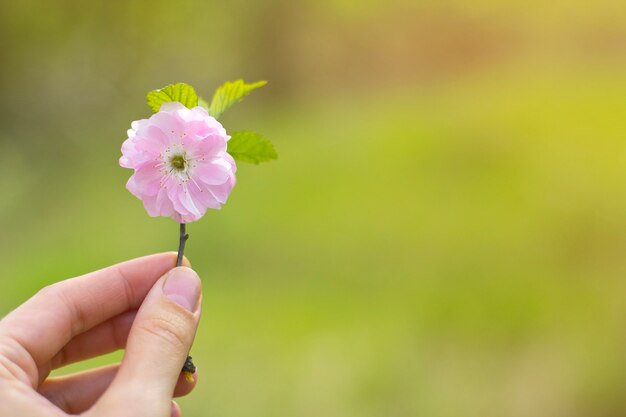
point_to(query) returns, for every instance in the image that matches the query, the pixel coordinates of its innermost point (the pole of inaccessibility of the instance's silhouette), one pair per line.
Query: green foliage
(251, 147)
(229, 93)
(243, 146)
(181, 92)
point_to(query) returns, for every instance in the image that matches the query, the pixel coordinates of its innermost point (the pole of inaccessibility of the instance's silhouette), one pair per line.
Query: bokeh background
(444, 231)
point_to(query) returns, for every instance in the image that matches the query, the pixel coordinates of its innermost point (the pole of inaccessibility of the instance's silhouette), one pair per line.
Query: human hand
(143, 305)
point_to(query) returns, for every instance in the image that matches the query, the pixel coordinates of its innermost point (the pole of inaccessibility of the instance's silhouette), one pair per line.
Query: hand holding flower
(141, 305)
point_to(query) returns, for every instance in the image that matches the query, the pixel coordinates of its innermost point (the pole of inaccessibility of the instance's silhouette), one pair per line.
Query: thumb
(157, 346)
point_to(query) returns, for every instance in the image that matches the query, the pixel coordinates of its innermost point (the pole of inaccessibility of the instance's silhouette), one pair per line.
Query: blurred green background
(444, 231)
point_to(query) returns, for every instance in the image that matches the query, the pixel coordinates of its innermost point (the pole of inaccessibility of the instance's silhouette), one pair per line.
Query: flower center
(178, 162)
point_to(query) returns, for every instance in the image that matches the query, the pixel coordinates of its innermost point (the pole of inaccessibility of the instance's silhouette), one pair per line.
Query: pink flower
(180, 162)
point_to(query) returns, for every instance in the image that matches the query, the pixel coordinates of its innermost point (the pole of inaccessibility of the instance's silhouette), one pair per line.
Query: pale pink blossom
(180, 162)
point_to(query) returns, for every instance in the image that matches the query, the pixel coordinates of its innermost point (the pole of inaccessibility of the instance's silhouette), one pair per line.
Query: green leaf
(181, 92)
(229, 93)
(251, 147)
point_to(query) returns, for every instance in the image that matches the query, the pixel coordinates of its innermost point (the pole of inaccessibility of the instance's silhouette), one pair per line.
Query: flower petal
(148, 179)
(212, 173)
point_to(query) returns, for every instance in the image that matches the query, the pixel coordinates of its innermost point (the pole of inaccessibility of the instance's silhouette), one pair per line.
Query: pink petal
(188, 203)
(164, 204)
(170, 125)
(212, 172)
(209, 147)
(148, 179)
(221, 192)
(204, 197)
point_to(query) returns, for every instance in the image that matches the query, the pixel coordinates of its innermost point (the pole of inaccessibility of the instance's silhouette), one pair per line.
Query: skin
(120, 307)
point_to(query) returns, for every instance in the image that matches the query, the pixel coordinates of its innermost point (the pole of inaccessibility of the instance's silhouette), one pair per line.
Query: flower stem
(189, 368)
(181, 244)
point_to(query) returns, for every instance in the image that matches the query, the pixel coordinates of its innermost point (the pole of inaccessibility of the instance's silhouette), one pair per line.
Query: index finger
(50, 319)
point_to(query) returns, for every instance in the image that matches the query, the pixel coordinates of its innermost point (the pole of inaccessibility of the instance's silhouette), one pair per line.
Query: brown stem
(189, 367)
(181, 244)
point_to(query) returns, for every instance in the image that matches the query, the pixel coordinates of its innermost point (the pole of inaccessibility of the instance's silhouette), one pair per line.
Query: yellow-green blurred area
(444, 233)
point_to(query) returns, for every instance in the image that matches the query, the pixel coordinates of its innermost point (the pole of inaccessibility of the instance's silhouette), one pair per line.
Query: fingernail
(183, 287)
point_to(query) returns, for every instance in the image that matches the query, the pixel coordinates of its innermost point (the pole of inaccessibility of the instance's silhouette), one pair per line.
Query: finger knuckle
(170, 329)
